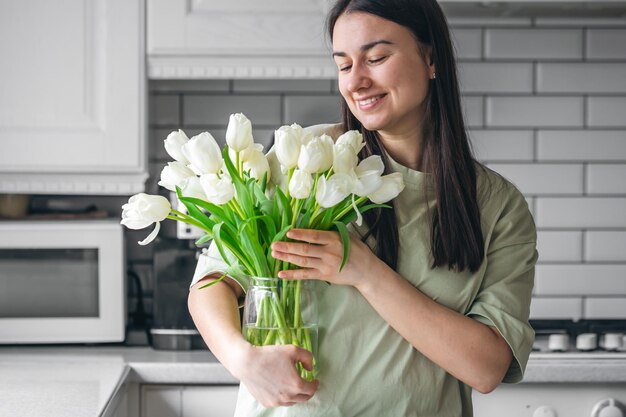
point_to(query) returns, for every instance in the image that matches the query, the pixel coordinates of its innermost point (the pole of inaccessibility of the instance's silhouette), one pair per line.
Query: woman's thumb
(304, 357)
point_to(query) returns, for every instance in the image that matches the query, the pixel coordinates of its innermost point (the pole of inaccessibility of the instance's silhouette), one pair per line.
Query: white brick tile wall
(606, 43)
(310, 110)
(556, 308)
(544, 179)
(581, 212)
(531, 204)
(606, 111)
(582, 279)
(606, 178)
(156, 136)
(605, 307)
(492, 77)
(559, 246)
(581, 77)
(581, 145)
(163, 110)
(605, 246)
(534, 111)
(468, 42)
(533, 43)
(215, 109)
(473, 110)
(503, 145)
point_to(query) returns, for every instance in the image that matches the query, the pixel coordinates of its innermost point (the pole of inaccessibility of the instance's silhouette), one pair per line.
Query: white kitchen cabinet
(72, 107)
(548, 399)
(188, 400)
(238, 39)
(213, 401)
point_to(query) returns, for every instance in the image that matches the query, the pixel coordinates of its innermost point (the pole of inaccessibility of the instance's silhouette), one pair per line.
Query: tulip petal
(152, 234)
(359, 216)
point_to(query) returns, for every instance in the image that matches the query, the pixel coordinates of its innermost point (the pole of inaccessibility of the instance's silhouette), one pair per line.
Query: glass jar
(278, 311)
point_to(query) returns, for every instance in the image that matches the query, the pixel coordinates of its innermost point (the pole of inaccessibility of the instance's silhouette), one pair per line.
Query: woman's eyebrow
(365, 47)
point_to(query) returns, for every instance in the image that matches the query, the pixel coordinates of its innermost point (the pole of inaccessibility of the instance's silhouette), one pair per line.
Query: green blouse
(365, 367)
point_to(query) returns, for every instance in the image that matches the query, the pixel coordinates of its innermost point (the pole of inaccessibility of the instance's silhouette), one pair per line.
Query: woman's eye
(345, 68)
(376, 60)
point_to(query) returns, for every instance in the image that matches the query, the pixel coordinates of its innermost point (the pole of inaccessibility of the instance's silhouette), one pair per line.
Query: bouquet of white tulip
(240, 204)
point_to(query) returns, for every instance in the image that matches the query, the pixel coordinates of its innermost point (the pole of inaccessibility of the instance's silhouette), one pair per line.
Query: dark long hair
(456, 235)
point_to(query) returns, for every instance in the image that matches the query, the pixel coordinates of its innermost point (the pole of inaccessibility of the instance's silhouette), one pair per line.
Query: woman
(434, 298)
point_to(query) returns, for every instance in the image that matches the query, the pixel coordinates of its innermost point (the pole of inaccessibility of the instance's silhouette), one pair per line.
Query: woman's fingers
(319, 237)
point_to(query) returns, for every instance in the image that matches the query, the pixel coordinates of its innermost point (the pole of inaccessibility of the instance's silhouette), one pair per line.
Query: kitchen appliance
(62, 281)
(174, 262)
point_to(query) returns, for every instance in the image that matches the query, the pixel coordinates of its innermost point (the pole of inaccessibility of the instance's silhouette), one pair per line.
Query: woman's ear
(429, 60)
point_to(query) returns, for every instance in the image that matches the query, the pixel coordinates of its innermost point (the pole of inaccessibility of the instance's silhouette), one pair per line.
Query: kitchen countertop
(81, 381)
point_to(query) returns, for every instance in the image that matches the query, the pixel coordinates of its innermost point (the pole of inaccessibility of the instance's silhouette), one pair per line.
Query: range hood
(235, 39)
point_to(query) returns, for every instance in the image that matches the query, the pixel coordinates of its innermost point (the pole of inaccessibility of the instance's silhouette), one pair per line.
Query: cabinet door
(161, 401)
(72, 102)
(209, 401)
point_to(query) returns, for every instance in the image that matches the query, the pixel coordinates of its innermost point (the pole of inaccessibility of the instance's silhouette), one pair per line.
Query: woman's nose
(358, 78)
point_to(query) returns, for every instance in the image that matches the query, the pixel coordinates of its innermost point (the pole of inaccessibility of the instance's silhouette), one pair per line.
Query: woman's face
(382, 74)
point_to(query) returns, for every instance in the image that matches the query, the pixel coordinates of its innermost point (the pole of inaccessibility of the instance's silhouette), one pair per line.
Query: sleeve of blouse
(210, 262)
(503, 300)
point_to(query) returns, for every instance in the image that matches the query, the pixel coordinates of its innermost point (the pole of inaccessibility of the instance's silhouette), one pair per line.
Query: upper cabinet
(72, 107)
(238, 39)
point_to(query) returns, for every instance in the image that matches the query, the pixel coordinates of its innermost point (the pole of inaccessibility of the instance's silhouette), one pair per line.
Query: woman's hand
(319, 254)
(269, 373)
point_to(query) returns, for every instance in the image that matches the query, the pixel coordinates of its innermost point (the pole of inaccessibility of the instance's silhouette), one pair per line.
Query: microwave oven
(62, 281)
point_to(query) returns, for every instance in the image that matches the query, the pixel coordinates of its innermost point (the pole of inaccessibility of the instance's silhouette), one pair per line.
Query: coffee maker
(174, 262)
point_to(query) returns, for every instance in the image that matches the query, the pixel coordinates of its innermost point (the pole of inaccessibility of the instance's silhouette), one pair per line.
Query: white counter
(80, 381)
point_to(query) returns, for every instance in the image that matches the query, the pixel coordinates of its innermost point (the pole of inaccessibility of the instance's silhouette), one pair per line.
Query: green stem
(349, 208)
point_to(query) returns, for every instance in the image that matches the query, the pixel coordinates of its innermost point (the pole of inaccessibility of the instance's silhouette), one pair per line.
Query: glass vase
(278, 311)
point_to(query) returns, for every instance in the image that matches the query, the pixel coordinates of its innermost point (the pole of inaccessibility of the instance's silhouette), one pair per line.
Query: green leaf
(217, 236)
(213, 282)
(280, 235)
(210, 207)
(204, 239)
(264, 183)
(230, 167)
(285, 206)
(259, 193)
(197, 214)
(345, 239)
(327, 219)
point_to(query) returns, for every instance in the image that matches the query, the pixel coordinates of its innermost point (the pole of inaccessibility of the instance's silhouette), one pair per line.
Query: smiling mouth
(369, 101)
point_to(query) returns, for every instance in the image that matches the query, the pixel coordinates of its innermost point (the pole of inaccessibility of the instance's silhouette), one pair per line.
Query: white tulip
(332, 191)
(368, 176)
(204, 154)
(352, 138)
(142, 210)
(192, 188)
(344, 158)
(174, 174)
(300, 184)
(256, 162)
(218, 190)
(173, 144)
(317, 155)
(287, 143)
(392, 185)
(239, 132)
